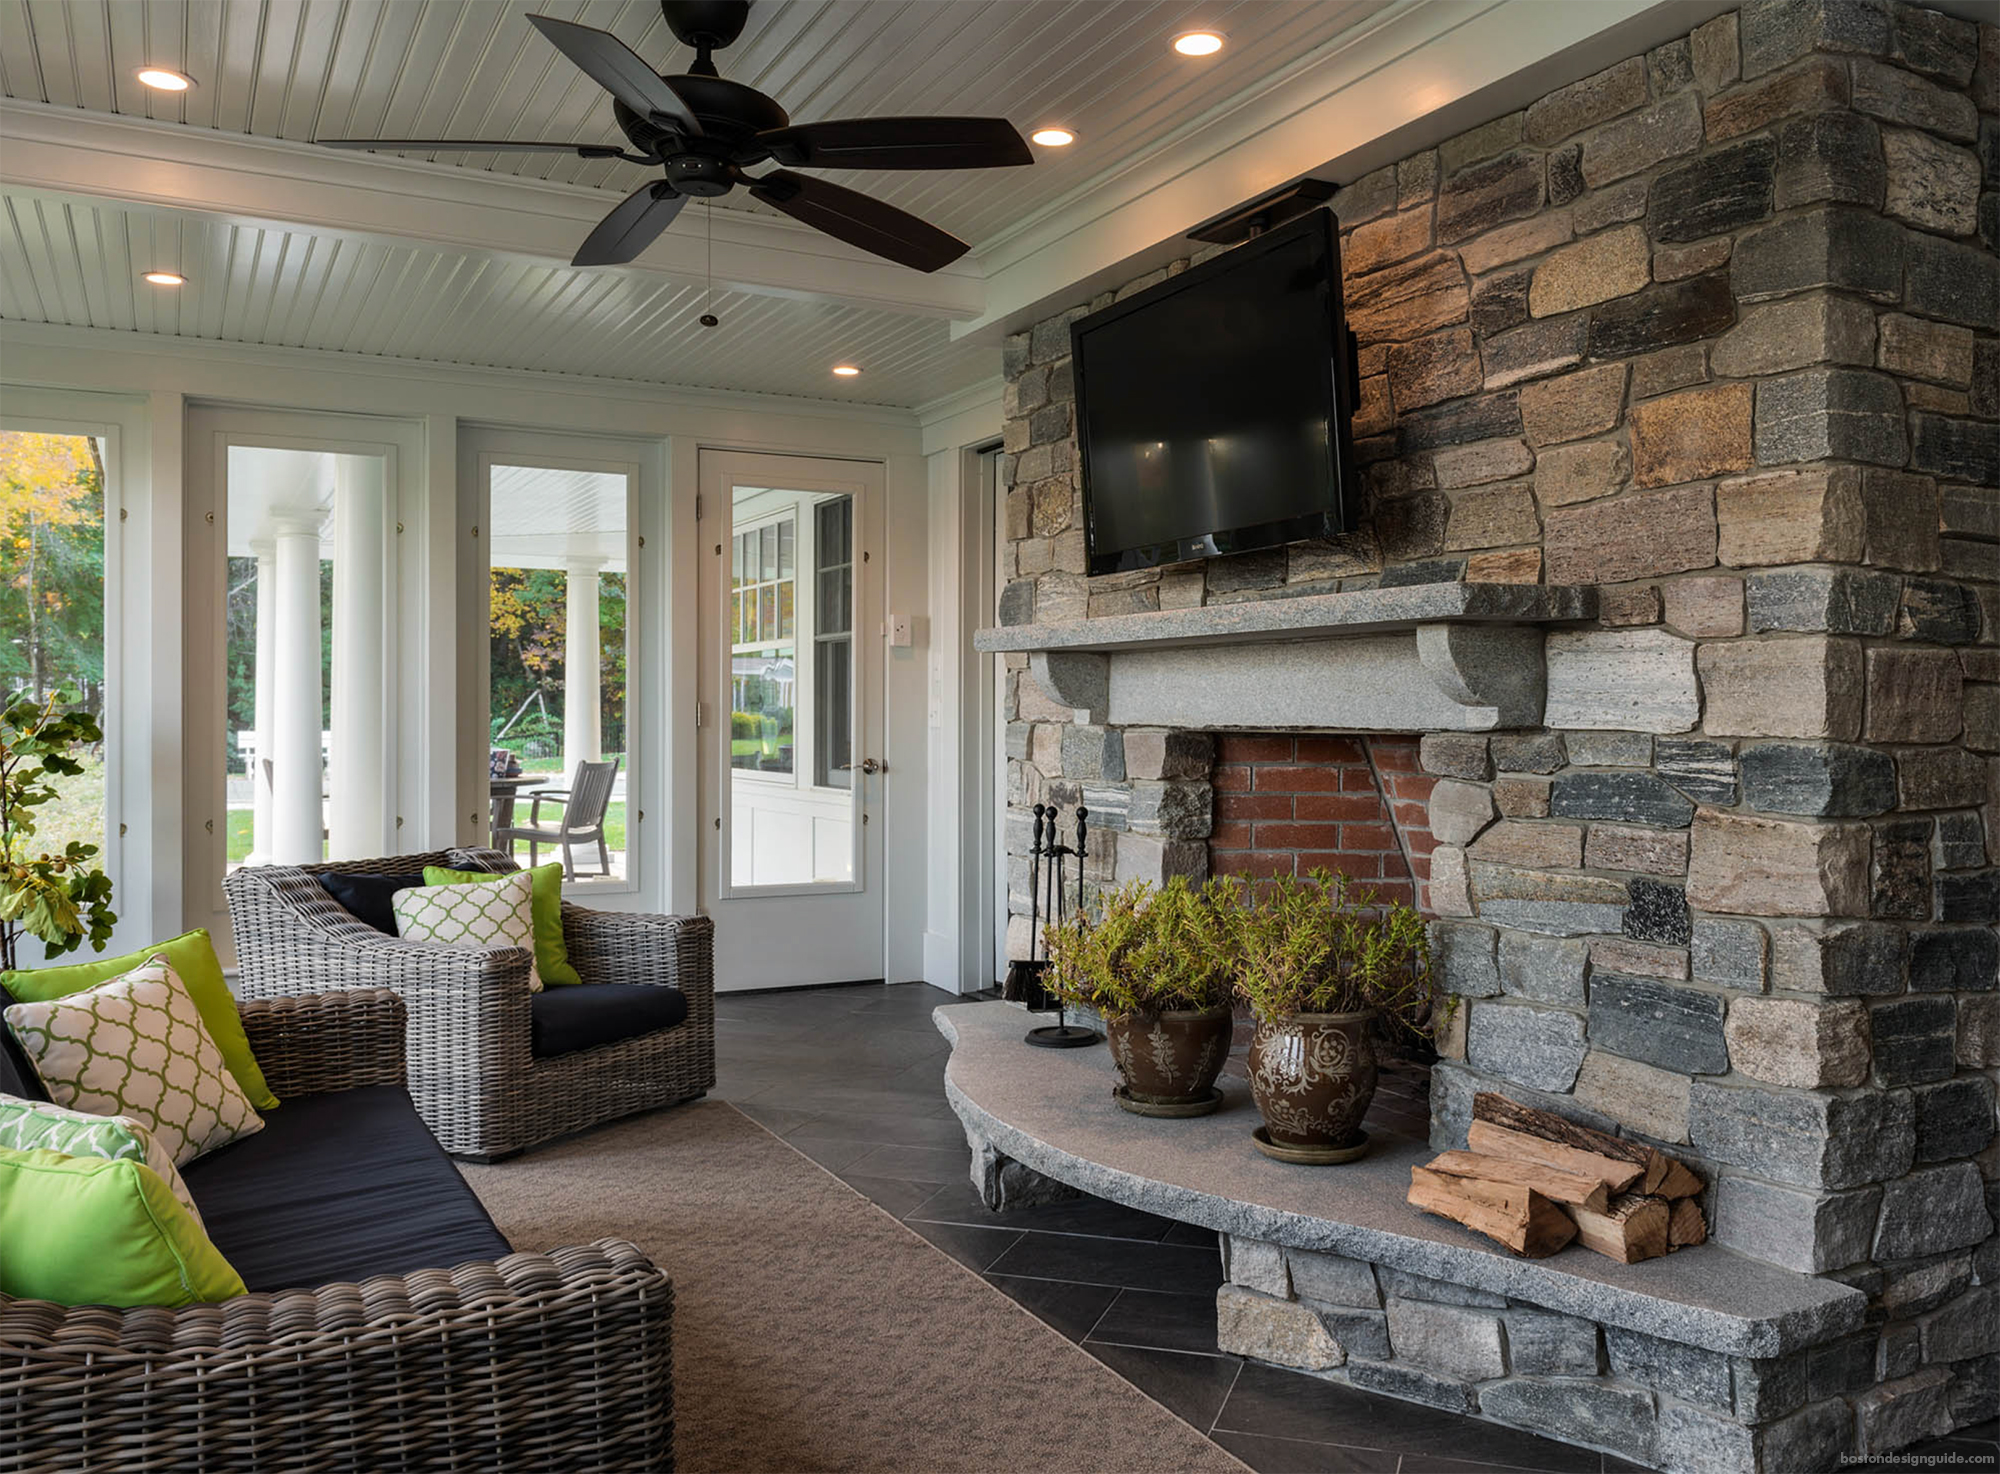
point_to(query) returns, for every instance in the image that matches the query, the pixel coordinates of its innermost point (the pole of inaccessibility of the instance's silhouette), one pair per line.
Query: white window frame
(130, 820)
(409, 768)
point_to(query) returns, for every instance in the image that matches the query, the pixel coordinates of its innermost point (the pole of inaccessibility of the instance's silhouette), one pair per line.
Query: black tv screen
(1212, 409)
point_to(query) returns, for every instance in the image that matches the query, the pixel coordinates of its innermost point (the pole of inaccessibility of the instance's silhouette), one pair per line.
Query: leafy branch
(62, 898)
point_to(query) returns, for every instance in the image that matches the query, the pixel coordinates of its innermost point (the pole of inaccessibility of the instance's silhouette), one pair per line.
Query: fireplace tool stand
(1023, 982)
(1061, 1034)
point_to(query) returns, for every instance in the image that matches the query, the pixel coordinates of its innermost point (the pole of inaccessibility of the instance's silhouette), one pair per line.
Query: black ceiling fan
(705, 131)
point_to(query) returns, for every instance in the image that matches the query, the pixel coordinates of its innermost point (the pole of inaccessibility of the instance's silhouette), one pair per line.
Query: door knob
(867, 765)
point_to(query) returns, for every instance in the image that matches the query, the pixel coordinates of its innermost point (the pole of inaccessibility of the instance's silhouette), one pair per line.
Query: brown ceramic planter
(1312, 1076)
(1170, 1058)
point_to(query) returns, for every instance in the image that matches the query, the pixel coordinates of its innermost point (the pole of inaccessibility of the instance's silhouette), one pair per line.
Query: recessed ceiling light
(166, 278)
(162, 80)
(1053, 137)
(846, 370)
(1198, 43)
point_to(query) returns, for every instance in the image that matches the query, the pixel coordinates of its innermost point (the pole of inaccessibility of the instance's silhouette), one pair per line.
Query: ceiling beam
(269, 182)
(1417, 74)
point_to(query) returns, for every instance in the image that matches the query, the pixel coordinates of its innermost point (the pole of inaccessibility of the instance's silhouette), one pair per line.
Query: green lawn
(77, 813)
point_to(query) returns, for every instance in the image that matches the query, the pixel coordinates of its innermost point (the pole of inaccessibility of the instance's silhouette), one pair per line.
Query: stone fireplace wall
(1717, 331)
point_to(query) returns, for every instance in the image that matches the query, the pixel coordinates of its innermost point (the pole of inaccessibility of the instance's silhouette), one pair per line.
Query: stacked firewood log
(1533, 1181)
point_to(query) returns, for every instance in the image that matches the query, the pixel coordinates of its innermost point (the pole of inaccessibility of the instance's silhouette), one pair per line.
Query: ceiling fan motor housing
(705, 24)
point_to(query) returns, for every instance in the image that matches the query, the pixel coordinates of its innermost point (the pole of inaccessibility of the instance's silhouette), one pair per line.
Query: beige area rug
(812, 1331)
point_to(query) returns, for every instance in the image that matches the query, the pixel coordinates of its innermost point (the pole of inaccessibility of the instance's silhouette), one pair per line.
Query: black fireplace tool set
(1024, 983)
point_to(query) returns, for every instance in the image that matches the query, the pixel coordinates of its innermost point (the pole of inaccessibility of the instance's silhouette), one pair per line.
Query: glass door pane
(557, 652)
(52, 609)
(788, 629)
(305, 657)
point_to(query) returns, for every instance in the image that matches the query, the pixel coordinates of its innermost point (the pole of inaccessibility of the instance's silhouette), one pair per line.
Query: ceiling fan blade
(631, 227)
(899, 143)
(472, 145)
(859, 220)
(619, 70)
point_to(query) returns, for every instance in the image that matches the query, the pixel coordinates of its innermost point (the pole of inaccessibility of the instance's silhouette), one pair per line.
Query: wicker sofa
(474, 1069)
(557, 1361)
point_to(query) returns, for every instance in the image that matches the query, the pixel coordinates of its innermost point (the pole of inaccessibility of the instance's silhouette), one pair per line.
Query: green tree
(529, 616)
(52, 565)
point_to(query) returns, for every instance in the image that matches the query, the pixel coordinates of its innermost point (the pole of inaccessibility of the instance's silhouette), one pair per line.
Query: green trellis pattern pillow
(134, 1046)
(36, 1125)
(494, 913)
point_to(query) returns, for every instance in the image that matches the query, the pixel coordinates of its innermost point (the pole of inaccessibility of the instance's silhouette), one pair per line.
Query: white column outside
(267, 635)
(582, 676)
(356, 814)
(294, 747)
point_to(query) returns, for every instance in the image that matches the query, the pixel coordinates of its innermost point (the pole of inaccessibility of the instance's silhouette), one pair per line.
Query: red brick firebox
(1287, 805)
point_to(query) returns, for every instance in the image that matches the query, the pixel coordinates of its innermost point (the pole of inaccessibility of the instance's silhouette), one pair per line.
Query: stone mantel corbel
(1426, 657)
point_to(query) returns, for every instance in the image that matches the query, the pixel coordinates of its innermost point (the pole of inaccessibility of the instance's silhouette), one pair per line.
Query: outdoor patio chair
(493, 1068)
(584, 804)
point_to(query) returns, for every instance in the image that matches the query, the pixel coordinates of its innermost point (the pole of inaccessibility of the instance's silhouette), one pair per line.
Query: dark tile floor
(1137, 1292)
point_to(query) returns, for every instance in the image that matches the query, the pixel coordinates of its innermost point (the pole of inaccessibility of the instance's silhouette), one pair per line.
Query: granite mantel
(1420, 657)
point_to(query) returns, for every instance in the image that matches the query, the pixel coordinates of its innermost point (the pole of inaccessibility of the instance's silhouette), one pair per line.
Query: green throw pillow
(102, 1231)
(551, 955)
(193, 959)
(39, 1125)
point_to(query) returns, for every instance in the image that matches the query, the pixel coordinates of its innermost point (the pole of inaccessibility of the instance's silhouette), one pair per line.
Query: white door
(791, 718)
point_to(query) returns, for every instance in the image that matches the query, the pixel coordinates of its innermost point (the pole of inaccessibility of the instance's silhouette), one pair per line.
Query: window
(763, 606)
(558, 674)
(833, 641)
(304, 657)
(52, 605)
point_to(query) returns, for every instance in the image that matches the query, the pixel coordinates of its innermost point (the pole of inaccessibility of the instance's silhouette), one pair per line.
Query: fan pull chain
(708, 317)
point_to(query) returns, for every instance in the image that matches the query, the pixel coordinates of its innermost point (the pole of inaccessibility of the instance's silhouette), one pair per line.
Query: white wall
(158, 377)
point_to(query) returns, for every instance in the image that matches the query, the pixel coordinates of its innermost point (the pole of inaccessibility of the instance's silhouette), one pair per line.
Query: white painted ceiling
(77, 263)
(305, 69)
(300, 69)
(542, 516)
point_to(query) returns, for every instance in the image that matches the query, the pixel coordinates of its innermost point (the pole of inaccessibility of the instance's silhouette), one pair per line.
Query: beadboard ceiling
(299, 69)
(77, 263)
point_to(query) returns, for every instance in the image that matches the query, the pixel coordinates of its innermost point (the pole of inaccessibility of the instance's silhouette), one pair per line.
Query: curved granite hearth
(1052, 1111)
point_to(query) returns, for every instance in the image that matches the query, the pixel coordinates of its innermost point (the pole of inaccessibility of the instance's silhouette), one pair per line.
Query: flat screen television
(1212, 409)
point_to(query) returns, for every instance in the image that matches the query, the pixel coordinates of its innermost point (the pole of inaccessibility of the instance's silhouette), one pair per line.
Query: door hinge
(701, 713)
(699, 505)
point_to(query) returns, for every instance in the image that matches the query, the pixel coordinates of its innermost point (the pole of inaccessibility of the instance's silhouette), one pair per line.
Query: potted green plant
(61, 898)
(1322, 963)
(1160, 966)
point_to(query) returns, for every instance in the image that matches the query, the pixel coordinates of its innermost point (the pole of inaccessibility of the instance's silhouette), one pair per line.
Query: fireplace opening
(1287, 804)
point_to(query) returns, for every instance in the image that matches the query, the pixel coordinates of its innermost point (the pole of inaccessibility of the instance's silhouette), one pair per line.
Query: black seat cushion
(339, 1187)
(17, 1074)
(367, 897)
(565, 1019)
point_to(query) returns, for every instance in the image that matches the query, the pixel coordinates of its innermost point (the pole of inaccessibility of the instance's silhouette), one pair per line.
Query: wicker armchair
(558, 1361)
(472, 1071)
